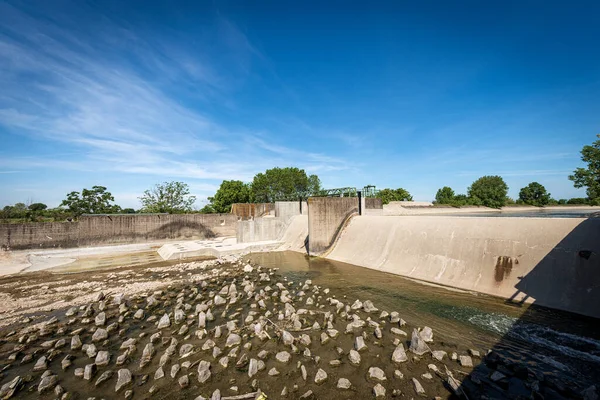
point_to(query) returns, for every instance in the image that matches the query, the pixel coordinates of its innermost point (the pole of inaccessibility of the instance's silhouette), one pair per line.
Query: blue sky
(419, 95)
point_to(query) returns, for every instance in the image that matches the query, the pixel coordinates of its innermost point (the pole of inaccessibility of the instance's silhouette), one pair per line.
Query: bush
(489, 191)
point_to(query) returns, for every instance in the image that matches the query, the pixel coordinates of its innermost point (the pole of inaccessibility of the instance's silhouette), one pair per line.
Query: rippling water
(555, 340)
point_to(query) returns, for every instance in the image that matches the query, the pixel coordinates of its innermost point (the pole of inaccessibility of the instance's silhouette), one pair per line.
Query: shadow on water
(559, 364)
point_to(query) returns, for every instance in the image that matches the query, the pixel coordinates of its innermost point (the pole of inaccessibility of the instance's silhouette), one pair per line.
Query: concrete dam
(552, 262)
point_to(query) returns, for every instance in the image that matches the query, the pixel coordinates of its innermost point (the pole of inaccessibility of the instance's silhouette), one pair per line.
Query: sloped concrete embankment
(553, 262)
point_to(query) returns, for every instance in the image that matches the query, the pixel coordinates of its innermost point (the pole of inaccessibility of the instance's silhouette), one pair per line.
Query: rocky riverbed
(226, 329)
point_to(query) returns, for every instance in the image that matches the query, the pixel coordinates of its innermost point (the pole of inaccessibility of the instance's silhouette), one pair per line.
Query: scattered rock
(344, 383)
(376, 374)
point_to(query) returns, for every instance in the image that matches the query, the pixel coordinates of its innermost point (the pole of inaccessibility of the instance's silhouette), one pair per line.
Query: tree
(37, 207)
(128, 211)
(289, 183)
(444, 195)
(490, 191)
(168, 197)
(229, 192)
(534, 194)
(387, 195)
(96, 200)
(589, 177)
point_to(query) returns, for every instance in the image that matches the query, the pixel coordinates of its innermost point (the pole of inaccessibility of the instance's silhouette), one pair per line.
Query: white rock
(320, 377)
(344, 383)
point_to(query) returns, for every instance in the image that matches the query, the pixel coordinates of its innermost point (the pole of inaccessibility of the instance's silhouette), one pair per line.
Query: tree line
(291, 183)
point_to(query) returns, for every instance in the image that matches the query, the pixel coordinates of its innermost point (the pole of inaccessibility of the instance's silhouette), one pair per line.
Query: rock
(497, 376)
(75, 342)
(399, 355)
(179, 316)
(185, 349)
(106, 375)
(209, 344)
(426, 334)
(376, 374)
(283, 357)
(102, 358)
(252, 367)
(378, 391)
(394, 317)
(398, 332)
(378, 334)
(465, 361)
(203, 371)
(99, 335)
(41, 364)
(418, 387)
(123, 379)
(248, 268)
(287, 338)
(590, 393)
(359, 343)
(273, 372)
(160, 373)
(90, 351)
(233, 340)
(354, 357)
(202, 319)
(357, 305)
(224, 362)
(369, 307)
(100, 319)
(417, 344)
(89, 371)
(183, 381)
(71, 311)
(438, 354)
(320, 377)
(164, 322)
(139, 314)
(474, 353)
(48, 382)
(308, 395)
(398, 374)
(174, 370)
(218, 300)
(147, 355)
(344, 383)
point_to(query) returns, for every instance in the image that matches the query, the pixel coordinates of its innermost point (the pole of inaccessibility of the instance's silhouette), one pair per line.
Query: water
(558, 343)
(535, 213)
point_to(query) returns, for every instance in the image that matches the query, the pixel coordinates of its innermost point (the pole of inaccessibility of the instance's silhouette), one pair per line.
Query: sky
(419, 95)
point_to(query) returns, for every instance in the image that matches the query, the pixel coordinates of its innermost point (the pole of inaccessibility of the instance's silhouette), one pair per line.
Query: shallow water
(554, 341)
(536, 213)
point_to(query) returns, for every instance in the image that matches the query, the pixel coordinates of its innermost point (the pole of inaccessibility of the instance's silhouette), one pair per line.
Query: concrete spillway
(552, 262)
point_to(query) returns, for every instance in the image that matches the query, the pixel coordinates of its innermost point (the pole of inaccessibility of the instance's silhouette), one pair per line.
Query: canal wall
(326, 218)
(553, 262)
(111, 229)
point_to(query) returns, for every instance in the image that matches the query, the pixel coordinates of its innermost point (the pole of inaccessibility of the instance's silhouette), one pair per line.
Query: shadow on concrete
(547, 353)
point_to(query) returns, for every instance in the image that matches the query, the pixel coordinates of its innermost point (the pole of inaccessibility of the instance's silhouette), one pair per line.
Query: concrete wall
(326, 217)
(252, 210)
(526, 259)
(106, 229)
(260, 229)
(288, 209)
(270, 228)
(373, 203)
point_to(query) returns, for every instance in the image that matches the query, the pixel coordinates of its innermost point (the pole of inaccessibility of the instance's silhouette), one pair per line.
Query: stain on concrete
(504, 266)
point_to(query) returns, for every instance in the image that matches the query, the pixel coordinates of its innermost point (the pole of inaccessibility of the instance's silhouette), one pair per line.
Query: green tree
(445, 195)
(229, 192)
(37, 207)
(288, 183)
(578, 201)
(96, 200)
(589, 177)
(128, 211)
(489, 191)
(534, 194)
(387, 195)
(168, 197)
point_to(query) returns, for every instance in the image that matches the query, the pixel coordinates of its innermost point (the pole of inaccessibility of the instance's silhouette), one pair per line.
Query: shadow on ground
(558, 362)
